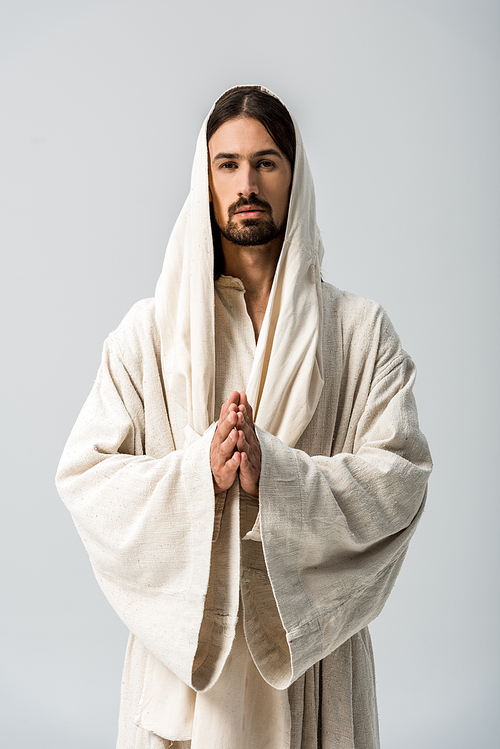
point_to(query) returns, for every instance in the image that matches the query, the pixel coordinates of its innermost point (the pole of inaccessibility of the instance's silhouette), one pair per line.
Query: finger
(248, 432)
(225, 475)
(234, 399)
(252, 455)
(225, 426)
(246, 466)
(249, 476)
(230, 468)
(228, 446)
(221, 453)
(231, 463)
(242, 445)
(230, 405)
(246, 413)
(229, 417)
(243, 401)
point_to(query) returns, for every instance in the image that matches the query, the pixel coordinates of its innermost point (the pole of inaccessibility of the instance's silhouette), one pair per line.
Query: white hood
(287, 375)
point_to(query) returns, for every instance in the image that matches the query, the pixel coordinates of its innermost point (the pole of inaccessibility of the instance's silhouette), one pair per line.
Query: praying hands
(235, 447)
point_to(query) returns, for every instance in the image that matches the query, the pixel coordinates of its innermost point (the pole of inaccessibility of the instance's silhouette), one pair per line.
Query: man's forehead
(221, 155)
(242, 138)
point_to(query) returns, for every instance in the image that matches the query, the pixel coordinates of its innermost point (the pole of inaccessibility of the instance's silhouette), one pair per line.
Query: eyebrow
(256, 155)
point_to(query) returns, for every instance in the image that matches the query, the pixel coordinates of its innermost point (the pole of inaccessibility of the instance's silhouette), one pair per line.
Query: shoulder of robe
(137, 335)
(363, 324)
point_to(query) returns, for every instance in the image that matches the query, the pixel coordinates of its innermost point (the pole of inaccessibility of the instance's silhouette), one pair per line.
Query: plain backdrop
(398, 104)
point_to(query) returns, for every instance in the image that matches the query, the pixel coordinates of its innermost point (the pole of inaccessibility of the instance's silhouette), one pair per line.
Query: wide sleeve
(147, 522)
(334, 531)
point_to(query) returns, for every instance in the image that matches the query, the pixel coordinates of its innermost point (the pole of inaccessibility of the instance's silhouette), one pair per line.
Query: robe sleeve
(147, 522)
(334, 531)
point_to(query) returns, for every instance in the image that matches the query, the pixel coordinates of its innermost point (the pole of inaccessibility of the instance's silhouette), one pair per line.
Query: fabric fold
(124, 502)
(335, 529)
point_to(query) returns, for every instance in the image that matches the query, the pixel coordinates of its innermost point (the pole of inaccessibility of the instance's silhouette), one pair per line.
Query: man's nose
(248, 183)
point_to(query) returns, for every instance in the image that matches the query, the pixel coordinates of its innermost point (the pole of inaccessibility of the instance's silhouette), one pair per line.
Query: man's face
(249, 181)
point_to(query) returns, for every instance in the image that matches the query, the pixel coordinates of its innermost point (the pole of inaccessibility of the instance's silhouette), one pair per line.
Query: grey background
(398, 104)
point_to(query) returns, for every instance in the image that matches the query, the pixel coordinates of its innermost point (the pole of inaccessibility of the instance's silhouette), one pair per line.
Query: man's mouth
(249, 211)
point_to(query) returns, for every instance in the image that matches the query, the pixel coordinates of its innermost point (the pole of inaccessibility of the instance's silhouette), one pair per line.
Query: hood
(287, 375)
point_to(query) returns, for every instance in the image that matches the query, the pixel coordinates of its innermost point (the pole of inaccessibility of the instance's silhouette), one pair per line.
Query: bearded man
(248, 554)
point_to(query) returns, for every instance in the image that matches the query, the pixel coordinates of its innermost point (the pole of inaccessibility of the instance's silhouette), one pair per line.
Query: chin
(252, 232)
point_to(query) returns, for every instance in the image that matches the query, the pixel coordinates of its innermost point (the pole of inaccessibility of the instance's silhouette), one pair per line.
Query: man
(247, 555)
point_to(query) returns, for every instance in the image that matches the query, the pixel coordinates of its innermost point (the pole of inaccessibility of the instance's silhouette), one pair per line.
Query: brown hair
(252, 102)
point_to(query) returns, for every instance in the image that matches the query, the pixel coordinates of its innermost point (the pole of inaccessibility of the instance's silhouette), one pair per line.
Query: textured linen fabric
(334, 527)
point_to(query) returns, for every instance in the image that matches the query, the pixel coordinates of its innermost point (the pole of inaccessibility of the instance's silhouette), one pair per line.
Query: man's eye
(266, 164)
(227, 165)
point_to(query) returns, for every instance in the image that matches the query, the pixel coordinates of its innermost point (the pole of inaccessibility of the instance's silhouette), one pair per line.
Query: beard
(250, 232)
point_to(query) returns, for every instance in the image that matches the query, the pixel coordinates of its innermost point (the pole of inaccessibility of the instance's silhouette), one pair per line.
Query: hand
(224, 458)
(249, 448)
(235, 447)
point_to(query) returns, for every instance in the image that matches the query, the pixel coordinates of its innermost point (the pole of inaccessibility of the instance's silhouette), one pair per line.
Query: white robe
(336, 514)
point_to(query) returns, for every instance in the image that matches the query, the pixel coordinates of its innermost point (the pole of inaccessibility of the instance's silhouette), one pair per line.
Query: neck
(256, 267)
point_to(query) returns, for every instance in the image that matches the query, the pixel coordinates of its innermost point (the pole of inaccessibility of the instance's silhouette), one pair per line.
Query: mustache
(251, 200)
